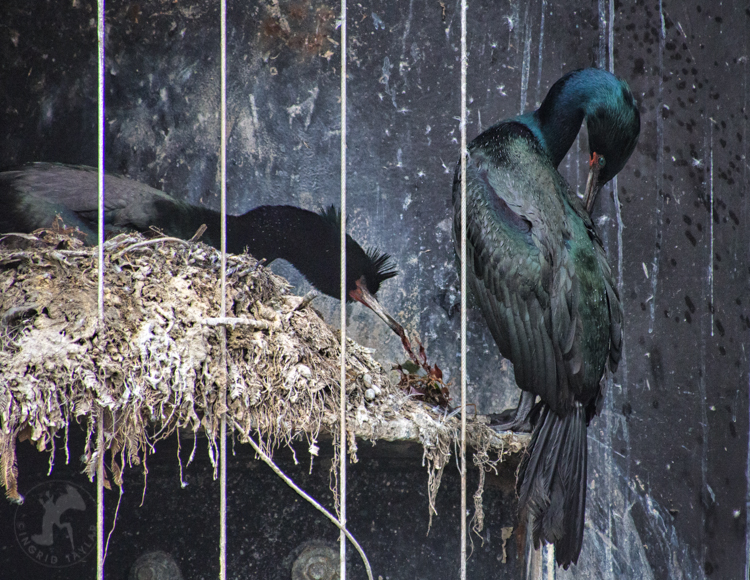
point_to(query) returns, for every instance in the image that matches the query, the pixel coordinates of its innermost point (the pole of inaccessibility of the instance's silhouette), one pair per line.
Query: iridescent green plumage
(540, 275)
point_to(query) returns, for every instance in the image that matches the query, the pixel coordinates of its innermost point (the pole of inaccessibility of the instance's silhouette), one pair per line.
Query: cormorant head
(613, 123)
(610, 111)
(373, 267)
(366, 270)
(377, 268)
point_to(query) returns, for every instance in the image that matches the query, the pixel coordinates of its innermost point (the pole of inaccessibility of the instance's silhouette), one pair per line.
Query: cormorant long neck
(265, 234)
(557, 121)
(268, 232)
(181, 220)
(301, 237)
(310, 241)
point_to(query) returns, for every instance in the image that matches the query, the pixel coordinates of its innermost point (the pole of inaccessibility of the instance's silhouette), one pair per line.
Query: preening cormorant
(539, 272)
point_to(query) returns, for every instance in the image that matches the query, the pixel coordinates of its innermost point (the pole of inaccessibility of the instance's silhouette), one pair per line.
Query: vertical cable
(223, 158)
(100, 252)
(222, 328)
(342, 392)
(464, 61)
(100, 494)
(610, 425)
(100, 154)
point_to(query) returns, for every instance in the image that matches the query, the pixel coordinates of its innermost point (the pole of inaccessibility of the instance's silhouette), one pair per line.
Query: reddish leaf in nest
(421, 380)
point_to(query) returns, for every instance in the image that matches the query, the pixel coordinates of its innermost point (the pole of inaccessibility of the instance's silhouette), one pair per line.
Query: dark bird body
(540, 275)
(32, 195)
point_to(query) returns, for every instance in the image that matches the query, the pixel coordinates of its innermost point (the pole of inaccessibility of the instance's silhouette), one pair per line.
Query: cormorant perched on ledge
(540, 274)
(32, 196)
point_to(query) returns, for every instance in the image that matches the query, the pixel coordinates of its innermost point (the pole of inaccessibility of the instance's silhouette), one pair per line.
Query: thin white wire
(342, 392)
(268, 461)
(100, 494)
(100, 226)
(223, 158)
(222, 330)
(464, 62)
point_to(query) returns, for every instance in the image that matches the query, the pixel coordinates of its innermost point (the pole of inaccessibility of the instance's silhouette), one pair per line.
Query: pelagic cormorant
(32, 195)
(540, 275)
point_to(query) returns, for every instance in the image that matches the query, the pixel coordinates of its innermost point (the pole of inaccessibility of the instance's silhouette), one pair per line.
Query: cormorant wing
(523, 272)
(127, 203)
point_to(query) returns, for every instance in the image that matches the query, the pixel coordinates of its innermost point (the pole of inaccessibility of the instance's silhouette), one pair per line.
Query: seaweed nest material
(157, 362)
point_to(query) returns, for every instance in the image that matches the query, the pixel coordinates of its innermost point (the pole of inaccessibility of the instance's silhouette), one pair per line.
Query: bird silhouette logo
(54, 509)
(55, 526)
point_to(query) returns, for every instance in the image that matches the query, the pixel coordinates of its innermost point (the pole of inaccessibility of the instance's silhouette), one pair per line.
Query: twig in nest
(425, 387)
(17, 313)
(308, 298)
(428, 386)
(433, 376)
(197, 235)
(231, 321)
(268, 461)
(58, 228)
(148, 243)
(74, 253)
(29, 237)
(457, 410)
(433, 389)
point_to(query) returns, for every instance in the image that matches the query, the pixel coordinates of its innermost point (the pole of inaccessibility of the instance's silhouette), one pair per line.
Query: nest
(158, 362)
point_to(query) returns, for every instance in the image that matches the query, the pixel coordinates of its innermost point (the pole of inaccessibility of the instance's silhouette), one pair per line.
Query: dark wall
(668, 468)
(268, 524)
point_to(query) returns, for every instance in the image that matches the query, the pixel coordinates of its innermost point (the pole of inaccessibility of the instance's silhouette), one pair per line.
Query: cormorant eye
(602, 161)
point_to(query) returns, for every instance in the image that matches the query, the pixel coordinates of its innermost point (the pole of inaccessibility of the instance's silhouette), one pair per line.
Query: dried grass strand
(149, 243)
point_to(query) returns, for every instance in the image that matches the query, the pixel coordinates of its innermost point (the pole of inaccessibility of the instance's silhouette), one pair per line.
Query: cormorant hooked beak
(592, 184)
(362, 294)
